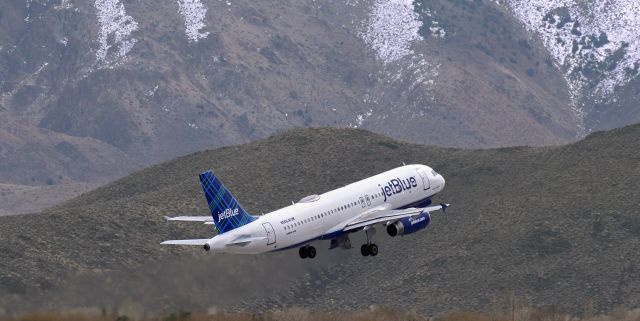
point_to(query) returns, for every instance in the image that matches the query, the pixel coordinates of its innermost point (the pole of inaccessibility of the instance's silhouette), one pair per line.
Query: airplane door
(271, 234)
(424, 178)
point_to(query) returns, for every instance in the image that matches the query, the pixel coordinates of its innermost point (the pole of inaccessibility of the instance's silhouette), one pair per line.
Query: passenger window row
(321, 215)
(330, 212)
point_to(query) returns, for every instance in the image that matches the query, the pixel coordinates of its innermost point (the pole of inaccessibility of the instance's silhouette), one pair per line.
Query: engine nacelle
(409, 225)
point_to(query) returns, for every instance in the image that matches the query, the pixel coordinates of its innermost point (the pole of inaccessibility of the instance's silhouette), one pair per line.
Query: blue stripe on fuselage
(420, 203)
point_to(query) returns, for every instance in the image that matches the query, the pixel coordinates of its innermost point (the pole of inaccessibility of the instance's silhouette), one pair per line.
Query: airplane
(398, 199)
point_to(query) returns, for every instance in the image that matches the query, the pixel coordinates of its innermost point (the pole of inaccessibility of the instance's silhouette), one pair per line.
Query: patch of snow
(153, 91)
(194, 13)
(360, 118)
(23, 82)
(45, 64)
(391, 28)
(63, 5)
(416, 77)
(115, 31)
(436, 30)
(28, 17)
(353, 3)
(419, 71)
(577, 106)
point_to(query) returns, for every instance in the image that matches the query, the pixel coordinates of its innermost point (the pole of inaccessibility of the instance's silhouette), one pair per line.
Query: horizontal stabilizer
(207, 218)
(186, 242)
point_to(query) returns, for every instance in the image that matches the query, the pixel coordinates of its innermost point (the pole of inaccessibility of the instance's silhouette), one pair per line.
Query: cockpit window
(434, 173)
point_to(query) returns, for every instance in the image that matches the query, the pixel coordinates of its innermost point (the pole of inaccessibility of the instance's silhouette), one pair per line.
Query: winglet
(444, 207)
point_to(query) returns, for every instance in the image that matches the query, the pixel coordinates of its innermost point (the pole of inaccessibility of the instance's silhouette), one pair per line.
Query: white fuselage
(324, 216)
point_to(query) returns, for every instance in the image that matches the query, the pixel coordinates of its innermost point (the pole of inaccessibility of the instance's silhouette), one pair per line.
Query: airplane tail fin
(226, 211)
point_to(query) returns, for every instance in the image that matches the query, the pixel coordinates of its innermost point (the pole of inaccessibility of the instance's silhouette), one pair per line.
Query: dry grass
(299, 314)
(59, 316)
(526, 314)
(293, 314)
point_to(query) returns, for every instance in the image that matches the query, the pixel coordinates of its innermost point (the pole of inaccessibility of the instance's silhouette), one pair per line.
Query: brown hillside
(560, 226)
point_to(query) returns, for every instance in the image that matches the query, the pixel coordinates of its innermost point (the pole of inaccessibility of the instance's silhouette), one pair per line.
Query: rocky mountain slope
(91, 90)
(556, 226)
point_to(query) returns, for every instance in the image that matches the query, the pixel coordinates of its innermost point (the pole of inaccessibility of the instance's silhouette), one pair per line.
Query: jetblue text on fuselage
(398, 185)
(228, 213)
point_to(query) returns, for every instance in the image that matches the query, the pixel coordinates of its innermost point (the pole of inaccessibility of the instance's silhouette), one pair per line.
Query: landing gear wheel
(373, 249)
(303, 252)
(369, 248)
(311, 252)
(364, 250)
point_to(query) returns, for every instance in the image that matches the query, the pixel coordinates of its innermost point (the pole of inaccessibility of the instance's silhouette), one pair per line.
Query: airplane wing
(383, 216)
(186, 242)
(204, 219)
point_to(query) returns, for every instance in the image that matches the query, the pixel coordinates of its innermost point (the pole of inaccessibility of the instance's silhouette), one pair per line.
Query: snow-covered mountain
(463, 67)
(595, 43)
(91, 90)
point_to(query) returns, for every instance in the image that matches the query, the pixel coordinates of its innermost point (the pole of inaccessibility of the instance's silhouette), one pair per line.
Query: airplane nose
(441, 179)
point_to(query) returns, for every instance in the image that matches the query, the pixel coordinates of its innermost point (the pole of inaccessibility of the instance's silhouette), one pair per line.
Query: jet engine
(409, 225)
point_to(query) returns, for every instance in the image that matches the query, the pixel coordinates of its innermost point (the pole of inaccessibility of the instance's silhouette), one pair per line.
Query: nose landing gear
(369, 248)
(307, 252)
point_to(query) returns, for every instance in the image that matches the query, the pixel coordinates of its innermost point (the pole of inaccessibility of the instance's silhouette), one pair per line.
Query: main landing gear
(369, 248)
(308, 252)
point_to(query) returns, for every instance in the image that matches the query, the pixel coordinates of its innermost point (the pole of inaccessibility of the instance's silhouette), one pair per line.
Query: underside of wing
(186, 242)
(384, 216)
